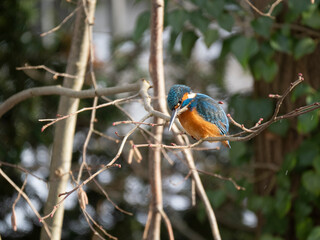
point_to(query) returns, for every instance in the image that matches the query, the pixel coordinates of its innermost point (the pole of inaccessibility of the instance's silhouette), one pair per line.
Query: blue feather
(210, 110)
(175, 95)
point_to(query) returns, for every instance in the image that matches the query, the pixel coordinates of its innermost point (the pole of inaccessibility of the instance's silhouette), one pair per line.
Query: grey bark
(64, 130)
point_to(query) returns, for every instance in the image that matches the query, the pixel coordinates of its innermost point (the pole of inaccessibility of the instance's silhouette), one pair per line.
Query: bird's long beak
(173, 117)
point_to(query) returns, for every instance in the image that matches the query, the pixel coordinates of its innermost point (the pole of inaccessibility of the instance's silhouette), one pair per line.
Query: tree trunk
(64, 130)
(152, 231)
(269, 148)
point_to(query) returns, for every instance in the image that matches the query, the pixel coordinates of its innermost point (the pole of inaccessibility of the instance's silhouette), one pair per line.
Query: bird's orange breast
(197, 127)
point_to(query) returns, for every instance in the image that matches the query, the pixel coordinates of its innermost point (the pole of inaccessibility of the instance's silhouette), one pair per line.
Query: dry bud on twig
(83, 198)
(130, 156)
(14, 220)
(136, 152)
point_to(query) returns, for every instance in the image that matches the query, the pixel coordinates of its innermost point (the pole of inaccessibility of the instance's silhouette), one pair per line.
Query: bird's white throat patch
(191, 95)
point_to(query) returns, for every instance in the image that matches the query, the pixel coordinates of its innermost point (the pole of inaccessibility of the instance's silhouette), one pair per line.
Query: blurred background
(222, 48)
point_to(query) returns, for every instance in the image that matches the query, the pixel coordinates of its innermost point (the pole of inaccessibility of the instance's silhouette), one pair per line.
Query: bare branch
(88, 217)
(168, 223)
(55, 74)
(60, 25)
(67, 194)
(105, 167)
(13, 216)
(5, 176)
(269, 13)
(95, 107)
(110, 200)
(223, 178)
(62, 91)
(23, 170)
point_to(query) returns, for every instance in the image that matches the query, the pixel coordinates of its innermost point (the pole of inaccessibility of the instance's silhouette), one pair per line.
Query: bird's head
(176, 94)
(176, 98)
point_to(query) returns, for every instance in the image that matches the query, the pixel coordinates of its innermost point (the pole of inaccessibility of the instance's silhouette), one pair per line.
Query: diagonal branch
(19, 190)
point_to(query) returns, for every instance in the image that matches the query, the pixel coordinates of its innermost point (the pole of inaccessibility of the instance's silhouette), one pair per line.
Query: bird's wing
(212, 112)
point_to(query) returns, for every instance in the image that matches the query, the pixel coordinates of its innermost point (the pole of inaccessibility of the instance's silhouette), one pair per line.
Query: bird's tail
(226, 143)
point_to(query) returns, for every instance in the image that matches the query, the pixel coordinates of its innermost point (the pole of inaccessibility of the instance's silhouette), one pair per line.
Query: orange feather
(199, 128)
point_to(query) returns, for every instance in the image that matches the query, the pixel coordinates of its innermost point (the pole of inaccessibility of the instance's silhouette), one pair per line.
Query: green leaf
(176, 19)
(283, 202)
(264, 69)
(289, 163)
(262, 26)
(301, 208)
(172, 40)
(142, 25)
(264, 204)
(281, 43)
(280, 128)
(226, 21)
(188, 40)
(201, 212)
(266, 50)
(307, 152)
(210, 36)
(310, 181)
(260, 108)
(311, 18)
(301, 90)
(237, 151)
(244, 48)
(312, 98)
(283, 180)
(298, 6)
(239, 103)
(303, 228)
(226, 47)
(215, 8)
(315, 234)
(217, 197)
(316, 164)
(270, 71)
(304, 47)
(308, 122)
(199, 21)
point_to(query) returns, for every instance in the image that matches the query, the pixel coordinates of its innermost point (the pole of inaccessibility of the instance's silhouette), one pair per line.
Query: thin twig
(86, 142)
(168, 223)
(105, 136)
(109, 199)
(134, 122)
(63, 22)
(88, 217)
(5, 176)
(55, 74)
(95, 107)
(223, 178)
(105, 167)
(174, 146)
(67, 194)
(269, 13)
(13, 217)
(23, 170)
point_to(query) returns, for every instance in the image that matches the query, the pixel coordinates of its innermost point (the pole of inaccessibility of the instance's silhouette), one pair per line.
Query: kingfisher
(200, 115)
